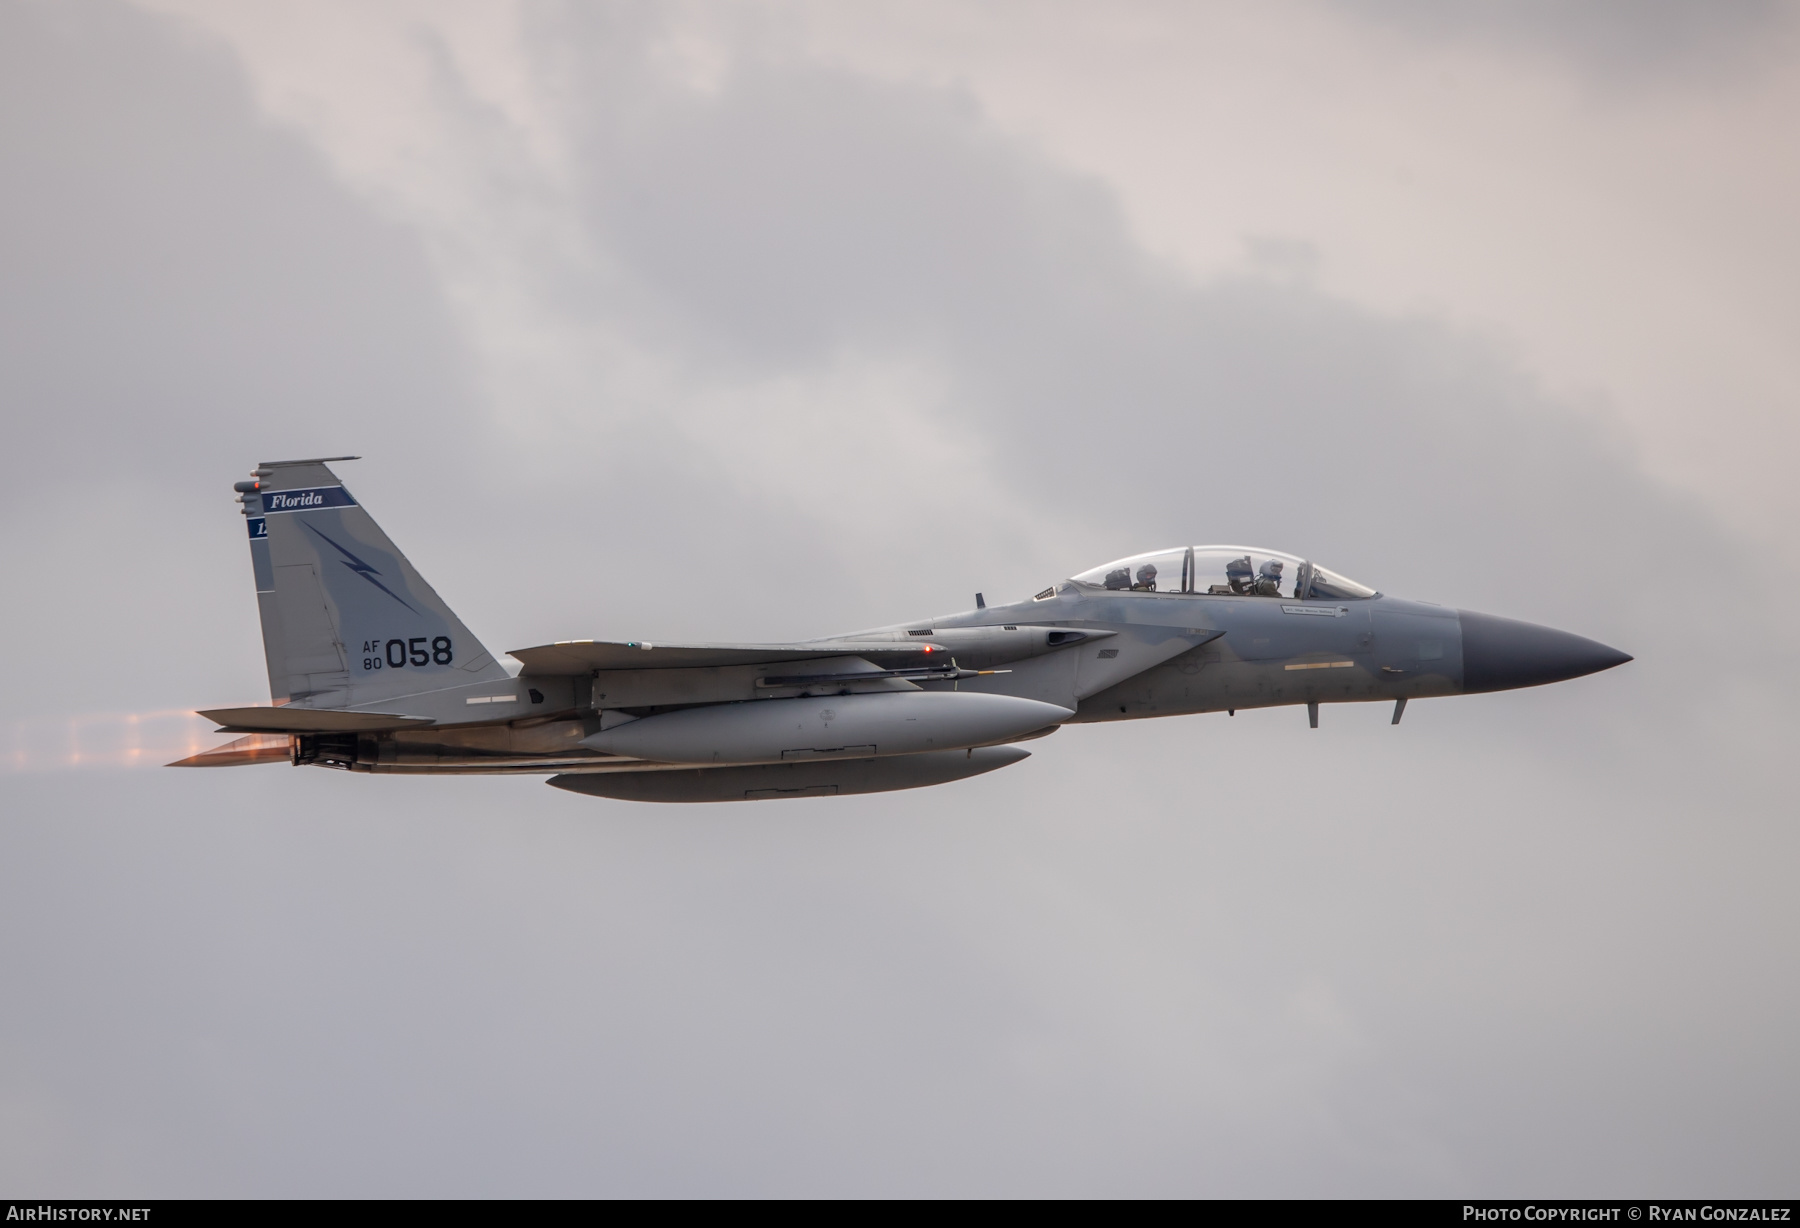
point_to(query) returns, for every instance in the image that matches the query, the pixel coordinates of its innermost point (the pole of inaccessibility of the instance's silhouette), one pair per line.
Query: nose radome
(1500, 654)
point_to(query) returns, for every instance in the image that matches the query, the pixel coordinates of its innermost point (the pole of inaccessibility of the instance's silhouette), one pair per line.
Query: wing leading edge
(574, 657)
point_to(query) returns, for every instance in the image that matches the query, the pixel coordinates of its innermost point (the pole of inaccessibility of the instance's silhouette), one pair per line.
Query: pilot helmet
(1268, 578)
(1146, 577)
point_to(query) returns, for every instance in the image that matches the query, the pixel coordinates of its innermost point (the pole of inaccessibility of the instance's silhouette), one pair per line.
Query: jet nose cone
(1502, 653)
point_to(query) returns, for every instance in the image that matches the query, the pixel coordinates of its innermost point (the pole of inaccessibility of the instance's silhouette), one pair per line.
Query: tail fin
(346, 620)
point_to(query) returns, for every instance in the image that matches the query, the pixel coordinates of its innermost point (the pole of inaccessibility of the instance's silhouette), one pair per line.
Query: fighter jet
(370, 671)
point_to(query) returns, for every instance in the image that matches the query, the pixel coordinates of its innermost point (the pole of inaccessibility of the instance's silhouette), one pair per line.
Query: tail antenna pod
(266, 468)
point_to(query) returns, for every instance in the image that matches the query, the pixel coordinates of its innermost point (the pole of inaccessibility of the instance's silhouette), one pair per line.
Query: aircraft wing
(584, 656)
(307, 720)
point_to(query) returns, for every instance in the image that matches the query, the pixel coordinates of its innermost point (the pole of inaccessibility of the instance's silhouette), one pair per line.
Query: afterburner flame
(106, 740)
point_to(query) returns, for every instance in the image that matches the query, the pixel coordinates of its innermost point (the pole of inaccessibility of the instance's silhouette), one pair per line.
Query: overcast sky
(761, 321)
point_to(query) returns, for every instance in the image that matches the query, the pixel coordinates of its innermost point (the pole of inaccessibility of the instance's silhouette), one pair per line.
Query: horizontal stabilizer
(307, 720)
(582, 656)
(255, 748)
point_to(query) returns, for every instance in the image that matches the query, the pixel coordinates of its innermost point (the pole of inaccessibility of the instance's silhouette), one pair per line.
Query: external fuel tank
(773, 781)
(828, 727)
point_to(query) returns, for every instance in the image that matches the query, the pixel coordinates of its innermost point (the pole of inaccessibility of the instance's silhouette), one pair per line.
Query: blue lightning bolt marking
(360, 568)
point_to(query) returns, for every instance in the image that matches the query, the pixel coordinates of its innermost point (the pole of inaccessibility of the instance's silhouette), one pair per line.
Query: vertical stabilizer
(346, 619)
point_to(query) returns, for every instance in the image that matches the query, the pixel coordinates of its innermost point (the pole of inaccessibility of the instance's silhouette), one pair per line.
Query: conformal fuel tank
(838, 726)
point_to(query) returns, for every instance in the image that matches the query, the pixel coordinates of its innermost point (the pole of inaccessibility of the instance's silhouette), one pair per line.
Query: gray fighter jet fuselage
(370, 671)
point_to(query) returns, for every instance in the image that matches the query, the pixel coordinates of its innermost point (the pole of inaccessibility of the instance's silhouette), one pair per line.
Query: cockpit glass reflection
(1243, 571)
(1165, 571)
(1224, 571)
(1328, 585)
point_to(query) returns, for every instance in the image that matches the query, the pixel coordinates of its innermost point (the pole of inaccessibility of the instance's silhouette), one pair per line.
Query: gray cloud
(187, 293)
(1612, 41)
(1488, 953)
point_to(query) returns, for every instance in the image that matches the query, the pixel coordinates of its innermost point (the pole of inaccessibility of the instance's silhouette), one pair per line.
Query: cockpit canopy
(1224, 571)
